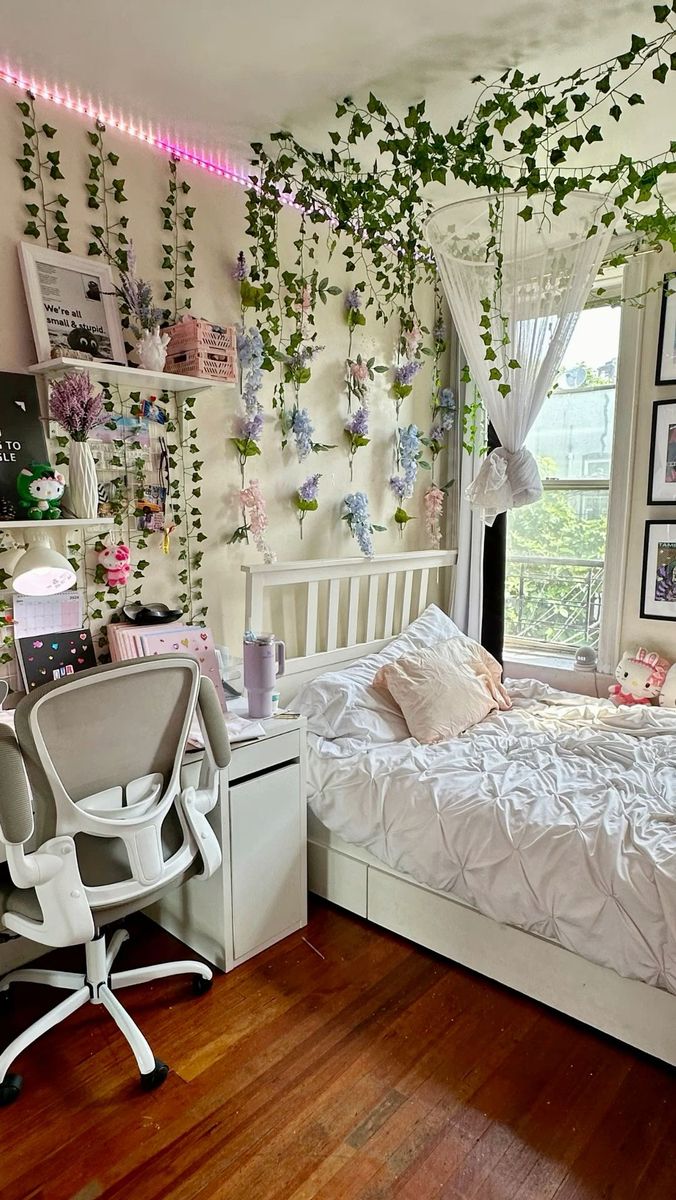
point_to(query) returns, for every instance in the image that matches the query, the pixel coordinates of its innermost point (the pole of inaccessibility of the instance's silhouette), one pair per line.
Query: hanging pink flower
(252, 502)
(412, 338)
(359, 371)
(434, 507)
(306, 299)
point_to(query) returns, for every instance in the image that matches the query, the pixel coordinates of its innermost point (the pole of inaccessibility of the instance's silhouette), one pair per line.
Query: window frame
(628, 282)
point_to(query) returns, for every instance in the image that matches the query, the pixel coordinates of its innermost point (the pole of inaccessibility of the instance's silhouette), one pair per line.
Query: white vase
(82, 483)
(152, 349)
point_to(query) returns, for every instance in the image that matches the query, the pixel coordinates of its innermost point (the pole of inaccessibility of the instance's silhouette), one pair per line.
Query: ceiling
(213, 75)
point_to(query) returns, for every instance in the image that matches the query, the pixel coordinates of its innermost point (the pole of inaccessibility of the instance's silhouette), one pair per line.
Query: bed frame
(332, 636)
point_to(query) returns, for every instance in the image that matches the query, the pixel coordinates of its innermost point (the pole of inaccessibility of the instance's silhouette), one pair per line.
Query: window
(557, 547)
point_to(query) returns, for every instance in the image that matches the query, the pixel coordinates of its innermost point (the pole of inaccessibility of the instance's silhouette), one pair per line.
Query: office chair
(109, 829)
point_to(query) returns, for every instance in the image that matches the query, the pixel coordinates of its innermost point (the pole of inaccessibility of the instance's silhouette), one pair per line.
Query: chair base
(97, 985)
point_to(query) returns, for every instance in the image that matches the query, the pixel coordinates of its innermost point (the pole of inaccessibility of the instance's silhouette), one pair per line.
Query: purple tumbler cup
(264, 659)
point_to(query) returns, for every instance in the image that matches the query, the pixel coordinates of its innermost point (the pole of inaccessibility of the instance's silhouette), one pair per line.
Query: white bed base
(636, 1013)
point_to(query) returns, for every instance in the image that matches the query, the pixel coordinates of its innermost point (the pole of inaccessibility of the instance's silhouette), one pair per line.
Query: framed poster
(666, 341)
(662, 481)
(658, 587)
(72, 303)
(22, 437)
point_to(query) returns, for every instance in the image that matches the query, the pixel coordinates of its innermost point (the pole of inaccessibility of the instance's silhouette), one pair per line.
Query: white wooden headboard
(344, 608)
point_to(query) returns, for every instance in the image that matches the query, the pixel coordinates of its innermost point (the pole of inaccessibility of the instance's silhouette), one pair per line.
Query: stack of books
(142, 641)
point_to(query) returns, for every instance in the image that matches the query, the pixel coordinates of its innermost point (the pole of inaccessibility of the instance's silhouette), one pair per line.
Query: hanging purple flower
(302, 430)
(241, 270)
(359, 521)
(356, 431)
(306, 500)
(353, 299)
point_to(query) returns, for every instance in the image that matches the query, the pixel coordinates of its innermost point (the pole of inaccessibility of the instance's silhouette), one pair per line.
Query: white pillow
(345, 704)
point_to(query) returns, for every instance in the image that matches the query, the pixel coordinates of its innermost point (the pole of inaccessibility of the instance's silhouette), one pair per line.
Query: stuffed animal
(639, 677)
(40, 488)
(668, 694)
(116, 562)
(85, 340)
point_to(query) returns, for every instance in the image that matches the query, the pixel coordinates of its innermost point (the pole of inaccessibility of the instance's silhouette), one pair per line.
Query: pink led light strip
(65, 100)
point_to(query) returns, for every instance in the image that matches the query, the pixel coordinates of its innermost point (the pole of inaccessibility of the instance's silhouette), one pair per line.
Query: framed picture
(72, 303)
(658, 588)
(662, 482)
(666, 342)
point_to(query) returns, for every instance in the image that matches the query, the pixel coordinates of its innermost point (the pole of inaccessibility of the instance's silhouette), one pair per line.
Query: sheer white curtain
(548, 268)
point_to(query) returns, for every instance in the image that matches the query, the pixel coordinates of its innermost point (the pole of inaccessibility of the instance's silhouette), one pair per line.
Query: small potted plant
(78, 409)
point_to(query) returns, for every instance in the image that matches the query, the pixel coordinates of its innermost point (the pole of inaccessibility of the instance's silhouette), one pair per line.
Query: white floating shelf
(130, 378)
(58, 523)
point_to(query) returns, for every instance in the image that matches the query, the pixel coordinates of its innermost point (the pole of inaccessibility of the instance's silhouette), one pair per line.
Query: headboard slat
(340, 638)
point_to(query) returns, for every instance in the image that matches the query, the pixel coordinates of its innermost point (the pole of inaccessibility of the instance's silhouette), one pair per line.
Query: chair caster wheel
(10, 1089)
(200, 985)
(155, 1078)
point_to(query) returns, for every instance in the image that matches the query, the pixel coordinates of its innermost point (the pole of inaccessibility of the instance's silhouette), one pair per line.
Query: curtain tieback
(507, 479)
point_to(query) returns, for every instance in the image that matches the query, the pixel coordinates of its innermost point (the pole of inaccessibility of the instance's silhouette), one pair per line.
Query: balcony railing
(554, 602)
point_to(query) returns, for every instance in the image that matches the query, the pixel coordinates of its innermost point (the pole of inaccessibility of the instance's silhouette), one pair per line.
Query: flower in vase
(75, 406)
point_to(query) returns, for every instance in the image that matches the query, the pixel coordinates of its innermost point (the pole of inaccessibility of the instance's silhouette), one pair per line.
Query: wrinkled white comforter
(558, 817)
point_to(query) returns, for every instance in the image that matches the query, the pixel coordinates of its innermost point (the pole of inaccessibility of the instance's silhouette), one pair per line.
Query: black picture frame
(661, 491)
(651, 544)
(667, 323)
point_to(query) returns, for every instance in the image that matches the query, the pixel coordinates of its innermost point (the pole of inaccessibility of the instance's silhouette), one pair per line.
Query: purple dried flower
(73, 404)
(241, 270)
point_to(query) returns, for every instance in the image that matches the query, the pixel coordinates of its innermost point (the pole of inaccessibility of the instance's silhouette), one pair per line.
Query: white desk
(259, 894)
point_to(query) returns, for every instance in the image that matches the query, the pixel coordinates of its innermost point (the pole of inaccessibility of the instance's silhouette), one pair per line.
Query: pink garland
(252, 502)
(434, 507)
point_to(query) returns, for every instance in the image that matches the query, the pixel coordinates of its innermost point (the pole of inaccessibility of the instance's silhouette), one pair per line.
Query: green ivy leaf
(526, 212)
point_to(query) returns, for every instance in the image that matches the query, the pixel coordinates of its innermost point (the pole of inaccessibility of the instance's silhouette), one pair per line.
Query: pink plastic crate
(197, 334)
(204, 364)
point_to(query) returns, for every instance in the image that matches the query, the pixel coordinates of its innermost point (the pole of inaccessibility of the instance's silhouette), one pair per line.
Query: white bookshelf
(129, 378)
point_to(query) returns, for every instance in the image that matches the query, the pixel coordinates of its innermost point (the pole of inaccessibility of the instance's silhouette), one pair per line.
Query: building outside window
(556, 549)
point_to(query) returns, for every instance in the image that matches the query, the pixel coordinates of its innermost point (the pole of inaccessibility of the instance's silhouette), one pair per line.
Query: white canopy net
(549, 264)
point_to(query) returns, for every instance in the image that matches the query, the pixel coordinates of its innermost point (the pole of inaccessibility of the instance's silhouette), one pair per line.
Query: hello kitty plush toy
(640, 677)
(116, 562)
(668, 694)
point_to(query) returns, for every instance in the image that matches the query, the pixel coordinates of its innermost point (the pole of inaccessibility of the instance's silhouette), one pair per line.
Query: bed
(538, 849)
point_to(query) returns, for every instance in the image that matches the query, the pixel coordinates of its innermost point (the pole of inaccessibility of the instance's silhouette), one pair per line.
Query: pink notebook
(187, 639)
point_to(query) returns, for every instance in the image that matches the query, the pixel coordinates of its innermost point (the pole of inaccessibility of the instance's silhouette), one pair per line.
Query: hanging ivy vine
(522, 135)
(178, 253)
(40, 170)
(106, 194)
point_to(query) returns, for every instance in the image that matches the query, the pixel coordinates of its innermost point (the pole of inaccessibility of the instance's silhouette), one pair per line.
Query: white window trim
(623, 457)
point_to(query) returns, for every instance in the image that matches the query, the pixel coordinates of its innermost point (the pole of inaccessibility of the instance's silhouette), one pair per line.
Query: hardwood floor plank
(375, 1072)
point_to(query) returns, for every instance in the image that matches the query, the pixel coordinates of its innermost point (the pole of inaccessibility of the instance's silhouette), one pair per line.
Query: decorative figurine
(116, 562)
(40, 489)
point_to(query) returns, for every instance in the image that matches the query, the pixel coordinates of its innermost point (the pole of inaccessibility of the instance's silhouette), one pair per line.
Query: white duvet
(558, 817)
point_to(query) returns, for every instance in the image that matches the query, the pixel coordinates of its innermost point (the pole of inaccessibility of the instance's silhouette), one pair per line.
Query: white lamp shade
(42, 571)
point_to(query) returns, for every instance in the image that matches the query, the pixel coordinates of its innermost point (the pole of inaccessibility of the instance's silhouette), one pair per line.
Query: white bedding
(558, 817)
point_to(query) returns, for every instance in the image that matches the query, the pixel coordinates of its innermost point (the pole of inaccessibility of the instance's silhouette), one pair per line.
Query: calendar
(34, 615)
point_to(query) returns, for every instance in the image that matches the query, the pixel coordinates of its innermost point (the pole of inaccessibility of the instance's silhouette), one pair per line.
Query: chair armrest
(213, 725)
(16, 812)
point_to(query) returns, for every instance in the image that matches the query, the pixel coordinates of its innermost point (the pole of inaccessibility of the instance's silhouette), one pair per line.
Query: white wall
(219, 235)
(657, 635)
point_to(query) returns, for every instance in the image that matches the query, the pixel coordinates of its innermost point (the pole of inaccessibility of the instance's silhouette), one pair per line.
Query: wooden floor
(344, 1063)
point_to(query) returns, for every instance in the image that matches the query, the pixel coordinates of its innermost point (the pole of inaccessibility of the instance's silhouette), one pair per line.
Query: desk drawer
(259, 756)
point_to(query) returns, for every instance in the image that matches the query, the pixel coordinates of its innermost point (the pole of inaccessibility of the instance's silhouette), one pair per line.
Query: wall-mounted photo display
(72, 305)
(666, 342)
(662, 481)
(658, 590)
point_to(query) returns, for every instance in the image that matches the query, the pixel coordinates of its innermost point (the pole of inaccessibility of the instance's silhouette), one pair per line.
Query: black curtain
(494, 563)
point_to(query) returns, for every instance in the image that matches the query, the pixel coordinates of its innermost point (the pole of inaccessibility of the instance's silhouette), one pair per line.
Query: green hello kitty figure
(40, 489)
